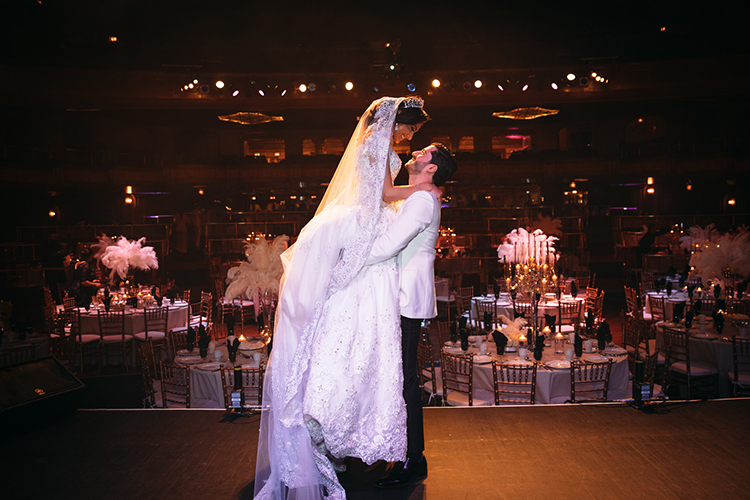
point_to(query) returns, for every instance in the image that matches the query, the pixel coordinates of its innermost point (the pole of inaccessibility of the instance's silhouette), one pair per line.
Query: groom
(412, 237)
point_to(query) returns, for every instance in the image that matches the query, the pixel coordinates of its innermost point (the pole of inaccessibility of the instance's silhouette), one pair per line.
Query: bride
(333, 385)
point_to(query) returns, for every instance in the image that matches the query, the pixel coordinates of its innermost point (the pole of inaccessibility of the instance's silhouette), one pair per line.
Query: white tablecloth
(554, 384)
(669, 301)
(178, 316)
(505, 307)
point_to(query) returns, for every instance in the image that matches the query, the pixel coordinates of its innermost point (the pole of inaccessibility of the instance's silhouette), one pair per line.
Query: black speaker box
(36, 390)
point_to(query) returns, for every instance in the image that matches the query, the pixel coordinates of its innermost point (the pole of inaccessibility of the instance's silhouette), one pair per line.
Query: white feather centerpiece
(262, 271)
(121, 256)
(513, 329)
(519, 245)
(728, 254)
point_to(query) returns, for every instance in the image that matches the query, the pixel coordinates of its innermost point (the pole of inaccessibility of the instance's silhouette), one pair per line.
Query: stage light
(572, 184)
(500, 87)
(411, 87)
(235, 93)
(478, 84)
(663, 28)
(349, 86)
(302, 87)
(640, 120)
(200, 191)
(571, 77)
(113, 39)
(128, 189)
(185, 87)
(190, 85)
(436, 83)
(689, 186)
(731, 201)
(553, 85)
(195, 81)
(52, 213)
(392, 67)
(312, 87)
(593, 75)
(525, 88)
(129, 200)
(283, 93)
(262, 94)
(650, 190)
(219, 84)
(650, 181)
(253, 198)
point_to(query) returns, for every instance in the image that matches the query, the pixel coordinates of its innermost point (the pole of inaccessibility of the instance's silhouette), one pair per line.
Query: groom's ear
(431, 168)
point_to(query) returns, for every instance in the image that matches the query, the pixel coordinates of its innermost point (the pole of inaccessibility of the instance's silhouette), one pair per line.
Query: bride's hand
(430, 187)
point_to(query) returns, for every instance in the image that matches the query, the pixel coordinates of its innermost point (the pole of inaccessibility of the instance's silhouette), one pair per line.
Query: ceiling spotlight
(190, 85)
(302, 87)
(650, 190)
(185, 87)
(312, 87)
(349, 86)
(200, 191)
(525, 88)
(129, 200)
(500, 87)
(571, 77)
(263, 94)
(52, 213)
(114, 38)
(663, 28)
(553, 85)
(235, 93)
(467, 86)
(730, 201)
(219, 84)
(392, 67)
(436, 83)
(411, 87)
(478, 84)
(195, 81)
(593, 75)
(283, 93)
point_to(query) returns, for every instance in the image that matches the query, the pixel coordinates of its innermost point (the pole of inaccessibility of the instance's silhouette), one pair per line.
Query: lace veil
(329, 253)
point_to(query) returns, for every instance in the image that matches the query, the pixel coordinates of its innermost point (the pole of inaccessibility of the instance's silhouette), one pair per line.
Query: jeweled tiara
(414, 102)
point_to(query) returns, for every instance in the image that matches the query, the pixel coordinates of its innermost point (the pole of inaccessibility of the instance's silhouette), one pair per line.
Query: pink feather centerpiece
(125, 254)
(262, 271)
(716, 256)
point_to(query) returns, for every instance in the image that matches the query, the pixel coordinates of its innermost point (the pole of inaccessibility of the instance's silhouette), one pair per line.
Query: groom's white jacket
(413, 236)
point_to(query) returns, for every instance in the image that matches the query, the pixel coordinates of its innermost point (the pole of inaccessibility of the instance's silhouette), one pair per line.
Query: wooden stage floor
(683, 450)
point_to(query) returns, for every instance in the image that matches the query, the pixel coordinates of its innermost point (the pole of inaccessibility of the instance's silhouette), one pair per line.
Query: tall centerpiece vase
(268, 310)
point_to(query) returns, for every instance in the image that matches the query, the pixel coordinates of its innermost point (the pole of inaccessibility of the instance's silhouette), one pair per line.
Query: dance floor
(682, 450)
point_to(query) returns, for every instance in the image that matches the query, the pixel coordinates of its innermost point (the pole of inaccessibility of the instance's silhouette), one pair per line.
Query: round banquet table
(178, 317)
(711, 348)
(505, 306)
(552, 385)
(206, 387)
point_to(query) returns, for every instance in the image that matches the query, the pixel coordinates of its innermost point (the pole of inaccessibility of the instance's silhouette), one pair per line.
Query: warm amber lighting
(731, 201)
(349, 86)
(129, 200)
(219, 84)
(478, 84)
(195, 81)
(689, 187)
(241, 338)
(52, 213)
(190, 85)
(253, 198)
(554, 86)
(663, 28)
(436, 83)
(640, 120)
(302, 87)
(128, 189)
(650, 190)
(573, 184)
(525, 113)
(571, 77)
(650, 181)
(200, 191)
(525, 88)
(229, 209)
(113, 39)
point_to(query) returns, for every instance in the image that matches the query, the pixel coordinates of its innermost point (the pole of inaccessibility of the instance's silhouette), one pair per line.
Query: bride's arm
(395, 193)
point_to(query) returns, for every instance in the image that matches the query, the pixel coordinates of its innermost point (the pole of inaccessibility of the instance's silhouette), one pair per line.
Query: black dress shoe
(403, 474)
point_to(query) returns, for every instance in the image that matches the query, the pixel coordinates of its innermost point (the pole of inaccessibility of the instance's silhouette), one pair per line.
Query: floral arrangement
(263, 269)
(120, 256)
(520, 245)
(512, 329)
(717, 255)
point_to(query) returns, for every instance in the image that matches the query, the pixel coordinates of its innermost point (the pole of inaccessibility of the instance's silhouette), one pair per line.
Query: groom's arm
(413, 218)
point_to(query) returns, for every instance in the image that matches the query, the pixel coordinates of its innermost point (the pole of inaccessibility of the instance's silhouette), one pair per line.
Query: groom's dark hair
(446, 164)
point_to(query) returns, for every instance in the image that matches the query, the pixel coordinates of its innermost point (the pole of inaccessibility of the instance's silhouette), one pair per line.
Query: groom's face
(420, 159)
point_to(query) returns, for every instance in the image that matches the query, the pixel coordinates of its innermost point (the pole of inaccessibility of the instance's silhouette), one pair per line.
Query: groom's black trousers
(410, 333)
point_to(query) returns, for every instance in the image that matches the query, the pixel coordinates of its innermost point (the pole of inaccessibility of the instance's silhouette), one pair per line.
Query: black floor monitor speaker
(37, 389)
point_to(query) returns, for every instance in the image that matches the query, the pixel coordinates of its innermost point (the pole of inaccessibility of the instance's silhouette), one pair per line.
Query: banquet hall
(592, 262)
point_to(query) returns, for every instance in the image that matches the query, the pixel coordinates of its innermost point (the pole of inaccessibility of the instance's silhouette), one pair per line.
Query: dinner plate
(209, 367)
(615, 351)
(596, 358)
(251, 345)
(454, 350)
(189, 360)
(511, 349)
(699, 335)
(482, 359)
(558, 364)
(184, 352)
(452, 344)
(518, 361)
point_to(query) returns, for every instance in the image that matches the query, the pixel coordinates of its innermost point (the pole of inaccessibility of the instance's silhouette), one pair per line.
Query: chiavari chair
(149, 369)
(589, 382)
(252, 384)
(175, 385)
(514, 384)
(429, 375)
(680, 369)
(741, 365)
(112, 334)
(155, 321)
(458, 382)
(16, 355)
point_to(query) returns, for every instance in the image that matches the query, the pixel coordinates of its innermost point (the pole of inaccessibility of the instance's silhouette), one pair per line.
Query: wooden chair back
(458, 378)
(175, 385)
(252, 384)
(589, 382)
(514, 384)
